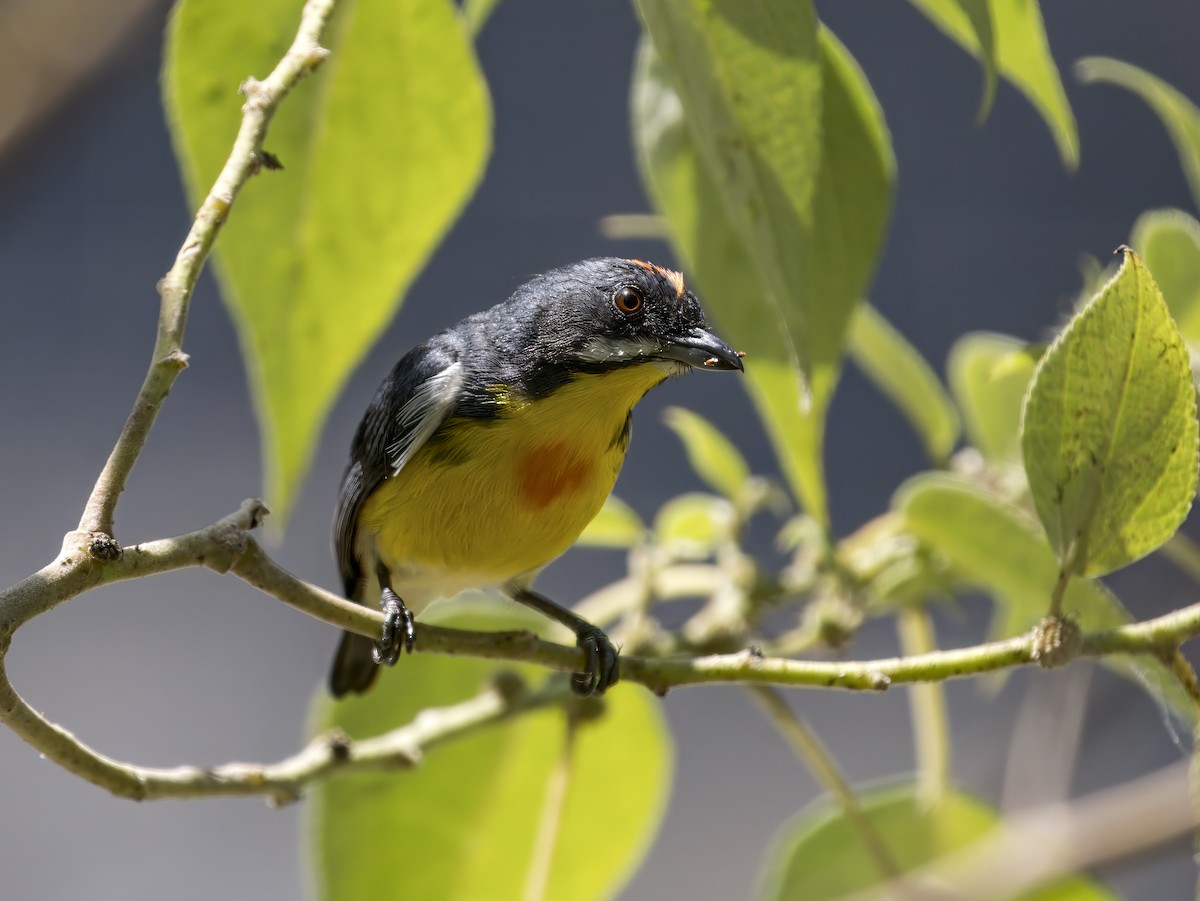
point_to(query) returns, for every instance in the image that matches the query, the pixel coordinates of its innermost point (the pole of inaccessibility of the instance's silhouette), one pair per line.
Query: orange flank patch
(675, 278)
(551, 472)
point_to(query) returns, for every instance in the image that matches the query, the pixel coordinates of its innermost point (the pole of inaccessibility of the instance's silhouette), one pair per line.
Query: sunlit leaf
(897, 368)
(711, 455)
(1109, 434)
(848, 213)
(1169, 243)
(691, 525)
(989, 375)
(616, 525)
(821, 855)
(748, 74)
(995, 547)
(477, 12)
(462, 825)
(381, 148)
(1022, 56)
(1180, 116)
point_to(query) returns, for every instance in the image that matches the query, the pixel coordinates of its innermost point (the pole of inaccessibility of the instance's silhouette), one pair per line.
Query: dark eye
(628, 300)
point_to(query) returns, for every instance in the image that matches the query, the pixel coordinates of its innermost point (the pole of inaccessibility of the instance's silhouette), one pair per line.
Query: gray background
(196, 668)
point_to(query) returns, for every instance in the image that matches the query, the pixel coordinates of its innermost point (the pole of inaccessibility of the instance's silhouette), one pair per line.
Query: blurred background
(987, 233)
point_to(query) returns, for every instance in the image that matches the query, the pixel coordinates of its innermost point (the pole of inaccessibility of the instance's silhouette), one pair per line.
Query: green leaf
(691, 525)
(1169, 243)
(897, 368)
(989, 375)
(748, 74)
(995, 547)
(465, 820)
(820, 855)
(1109, 434)
(845, 220)
(617, 525)
(979, 15)
(477, 12)
(1022, 56)
(382, 146)
(711, 455)
(1178, 114)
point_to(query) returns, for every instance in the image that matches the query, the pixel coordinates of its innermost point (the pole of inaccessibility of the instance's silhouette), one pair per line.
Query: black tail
(354, 668)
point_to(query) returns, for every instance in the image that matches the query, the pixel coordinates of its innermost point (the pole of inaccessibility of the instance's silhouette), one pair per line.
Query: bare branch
(176, 287)
(283, 782)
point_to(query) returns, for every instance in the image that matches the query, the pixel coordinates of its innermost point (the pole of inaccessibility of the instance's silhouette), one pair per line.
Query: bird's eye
(628, 300)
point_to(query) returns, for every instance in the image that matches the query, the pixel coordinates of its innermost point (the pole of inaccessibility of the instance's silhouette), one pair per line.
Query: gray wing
(419, 394)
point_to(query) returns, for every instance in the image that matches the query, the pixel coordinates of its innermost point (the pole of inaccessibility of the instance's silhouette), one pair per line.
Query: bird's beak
(702, 349)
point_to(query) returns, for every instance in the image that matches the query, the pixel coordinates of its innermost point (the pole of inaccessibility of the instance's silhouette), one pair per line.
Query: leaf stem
(812, 751)
(1060, 586)
(927, 703)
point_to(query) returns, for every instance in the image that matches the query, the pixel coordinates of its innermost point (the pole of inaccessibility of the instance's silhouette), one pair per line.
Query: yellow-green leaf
(463, 823)
(821, 855)
(993, 546)
(381, 148)
(1109, 434)
(748, 76)
(477, 12)
(691, 525)
(897, 368)
(989, 375)
(1178, 114)
(711, 455)
(617, 525)
(848, 215)
(1022, 56)
(1169, 244)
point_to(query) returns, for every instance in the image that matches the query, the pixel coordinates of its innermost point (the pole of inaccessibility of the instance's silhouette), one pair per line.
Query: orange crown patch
(675, 278)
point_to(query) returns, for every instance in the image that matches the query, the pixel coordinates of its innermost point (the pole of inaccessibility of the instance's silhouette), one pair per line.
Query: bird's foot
(399, 631)
(602, 667)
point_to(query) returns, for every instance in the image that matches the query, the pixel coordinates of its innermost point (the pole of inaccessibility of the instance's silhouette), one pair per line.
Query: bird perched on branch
(490, 446)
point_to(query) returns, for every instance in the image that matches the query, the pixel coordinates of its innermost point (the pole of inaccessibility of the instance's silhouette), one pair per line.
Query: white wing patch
(422, 413)
(607, 350)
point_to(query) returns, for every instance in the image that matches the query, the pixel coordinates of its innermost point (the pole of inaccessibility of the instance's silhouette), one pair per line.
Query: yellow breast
(488, 500)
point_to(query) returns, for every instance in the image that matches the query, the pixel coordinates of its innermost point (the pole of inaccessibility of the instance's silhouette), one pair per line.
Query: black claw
(398, 621)
(601, 664)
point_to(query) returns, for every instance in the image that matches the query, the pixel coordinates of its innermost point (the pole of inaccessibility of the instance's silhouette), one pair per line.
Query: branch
(284, 782)
(176, 287)
(226, 547)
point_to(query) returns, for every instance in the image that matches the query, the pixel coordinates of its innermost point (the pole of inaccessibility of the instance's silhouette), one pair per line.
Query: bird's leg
(602, 668)
(398, 627)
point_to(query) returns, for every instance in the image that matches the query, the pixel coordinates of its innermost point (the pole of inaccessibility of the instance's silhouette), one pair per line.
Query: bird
(489, 447)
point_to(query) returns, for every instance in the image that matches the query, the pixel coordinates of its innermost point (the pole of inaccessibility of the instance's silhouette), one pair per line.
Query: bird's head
(609, 313)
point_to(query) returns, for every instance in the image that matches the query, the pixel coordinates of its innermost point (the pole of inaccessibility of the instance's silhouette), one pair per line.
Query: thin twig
(820, 762)
(1184, 553)
(927, 701)
(1185, 675)
(176, 287)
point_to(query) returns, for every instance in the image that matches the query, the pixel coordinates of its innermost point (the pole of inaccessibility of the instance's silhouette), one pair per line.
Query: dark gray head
(607, 313)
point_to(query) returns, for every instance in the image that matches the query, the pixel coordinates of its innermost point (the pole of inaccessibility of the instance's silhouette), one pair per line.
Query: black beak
(702, 349)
